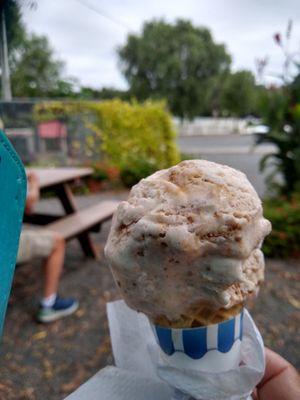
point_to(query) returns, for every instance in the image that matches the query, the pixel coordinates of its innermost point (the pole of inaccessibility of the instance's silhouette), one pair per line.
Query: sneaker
(61, 308)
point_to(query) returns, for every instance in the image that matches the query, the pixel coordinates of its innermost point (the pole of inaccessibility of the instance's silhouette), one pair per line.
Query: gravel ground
(49, 362)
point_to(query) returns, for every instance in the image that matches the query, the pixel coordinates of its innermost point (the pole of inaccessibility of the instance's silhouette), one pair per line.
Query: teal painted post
(12, 201)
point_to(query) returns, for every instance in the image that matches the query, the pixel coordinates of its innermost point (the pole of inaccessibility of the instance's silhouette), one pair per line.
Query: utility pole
(5, 79)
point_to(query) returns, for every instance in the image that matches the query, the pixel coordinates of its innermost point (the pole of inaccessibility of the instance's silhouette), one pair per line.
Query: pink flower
(277, 38)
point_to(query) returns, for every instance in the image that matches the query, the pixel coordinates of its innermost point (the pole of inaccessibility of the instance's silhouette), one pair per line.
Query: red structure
(52, 130)
(53, 137)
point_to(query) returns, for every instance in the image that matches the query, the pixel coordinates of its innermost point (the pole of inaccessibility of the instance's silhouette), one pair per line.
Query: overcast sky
(87, 41)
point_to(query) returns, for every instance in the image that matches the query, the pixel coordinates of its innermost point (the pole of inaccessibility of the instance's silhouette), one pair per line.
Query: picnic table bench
(74, 223)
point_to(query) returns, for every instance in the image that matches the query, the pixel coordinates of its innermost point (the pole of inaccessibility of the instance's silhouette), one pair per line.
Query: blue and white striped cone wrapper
(183, 377)
(214, 348)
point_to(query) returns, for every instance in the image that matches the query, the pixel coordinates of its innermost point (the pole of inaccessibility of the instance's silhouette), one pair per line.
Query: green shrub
(100, 174)
(103, 171)
(282, 115)
(137, 138)
(135, 170)
(284, 240)
(133, 131)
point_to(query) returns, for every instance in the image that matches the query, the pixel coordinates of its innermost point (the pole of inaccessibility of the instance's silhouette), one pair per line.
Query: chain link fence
(42, 145)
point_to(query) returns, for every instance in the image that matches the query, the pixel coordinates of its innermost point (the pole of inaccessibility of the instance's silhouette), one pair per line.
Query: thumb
(281, 380)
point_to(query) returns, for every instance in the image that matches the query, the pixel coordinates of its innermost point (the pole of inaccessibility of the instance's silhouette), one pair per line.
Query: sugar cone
(199, 316)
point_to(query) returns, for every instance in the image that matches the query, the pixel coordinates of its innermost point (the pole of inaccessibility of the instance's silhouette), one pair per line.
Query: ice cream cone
(185, 248)
(213, 348)
(200, 316)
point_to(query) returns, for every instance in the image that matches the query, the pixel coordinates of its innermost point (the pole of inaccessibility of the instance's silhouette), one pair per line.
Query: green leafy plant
(136, 170)
(284, 240)
(283, 118)
(131, 131)
(100, 174)
(136, 138)
(281, 113)
(104, 171)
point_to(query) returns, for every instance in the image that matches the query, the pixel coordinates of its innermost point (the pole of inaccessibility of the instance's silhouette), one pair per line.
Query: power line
(104, 14)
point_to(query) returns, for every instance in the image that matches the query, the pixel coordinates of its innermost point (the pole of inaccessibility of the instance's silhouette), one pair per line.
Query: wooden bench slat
(83, 220)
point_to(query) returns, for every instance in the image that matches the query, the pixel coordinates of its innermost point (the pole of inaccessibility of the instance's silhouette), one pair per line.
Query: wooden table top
(53, 176)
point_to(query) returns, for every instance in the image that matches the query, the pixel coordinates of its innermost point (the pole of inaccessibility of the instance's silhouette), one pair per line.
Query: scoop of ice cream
(187, 236)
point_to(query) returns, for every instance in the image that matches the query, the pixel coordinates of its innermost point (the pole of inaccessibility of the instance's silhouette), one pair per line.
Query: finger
(281, 380)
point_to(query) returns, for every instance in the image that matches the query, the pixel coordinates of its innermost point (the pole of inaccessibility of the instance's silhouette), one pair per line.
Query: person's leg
(53, 266)
(51, 246)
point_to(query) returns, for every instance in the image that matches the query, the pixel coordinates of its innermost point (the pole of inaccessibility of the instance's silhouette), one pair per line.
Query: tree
(35, 72)
(173, 61)
(14, 26)
(239, 94)
(106, 93)
(12, 33)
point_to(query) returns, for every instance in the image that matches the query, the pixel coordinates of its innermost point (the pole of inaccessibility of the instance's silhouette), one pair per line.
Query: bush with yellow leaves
(138, 138)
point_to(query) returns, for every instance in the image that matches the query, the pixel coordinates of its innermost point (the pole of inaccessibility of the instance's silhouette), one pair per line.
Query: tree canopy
(239, 94)
(106, 93)
(14, 27)
(177, 61)
(34, 70)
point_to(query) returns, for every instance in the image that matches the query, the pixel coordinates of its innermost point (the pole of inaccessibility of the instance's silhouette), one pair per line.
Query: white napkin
(135, 349)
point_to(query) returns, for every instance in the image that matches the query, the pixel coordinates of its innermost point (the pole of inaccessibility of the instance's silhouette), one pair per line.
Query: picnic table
(74, 223)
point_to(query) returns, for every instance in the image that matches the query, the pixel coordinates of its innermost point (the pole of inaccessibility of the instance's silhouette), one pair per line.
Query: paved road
(223, 144)
(237, 151)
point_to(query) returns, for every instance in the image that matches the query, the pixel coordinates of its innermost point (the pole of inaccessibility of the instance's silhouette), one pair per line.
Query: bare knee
(59, 241)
